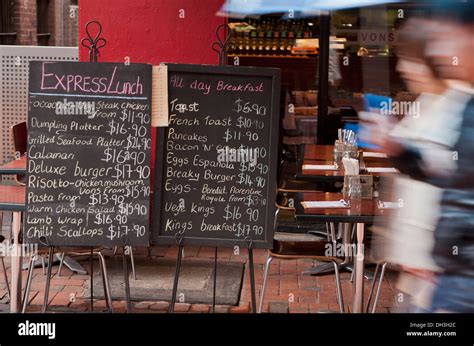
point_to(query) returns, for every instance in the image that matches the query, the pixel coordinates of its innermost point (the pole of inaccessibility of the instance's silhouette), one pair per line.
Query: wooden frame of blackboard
(161, 135)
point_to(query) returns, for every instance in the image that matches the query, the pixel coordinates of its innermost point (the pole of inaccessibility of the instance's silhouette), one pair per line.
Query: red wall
(151, 31)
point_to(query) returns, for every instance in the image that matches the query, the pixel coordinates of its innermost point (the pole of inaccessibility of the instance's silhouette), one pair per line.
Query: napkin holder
(358, 186)
(352, 188)
(367, 185)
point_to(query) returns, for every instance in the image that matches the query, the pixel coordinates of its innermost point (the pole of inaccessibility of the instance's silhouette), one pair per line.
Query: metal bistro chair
(132, 260)
(2, 238)
(381, 265)
(293, 246)
(103, 269)
(19, 136)
(19, 133)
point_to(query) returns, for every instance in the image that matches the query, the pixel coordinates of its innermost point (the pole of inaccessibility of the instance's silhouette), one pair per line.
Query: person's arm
(420, 160)
(407, 159)
(417, 159)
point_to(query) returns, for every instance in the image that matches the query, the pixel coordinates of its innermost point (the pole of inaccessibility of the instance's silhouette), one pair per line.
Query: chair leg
(132, 260)
(43, 265)
(352, 275)
(265, 279)
(48, 280)
(61, 263)
(340, 299)
(372, 286)
(103, 283)
(5, 275)
(29, 277)
(333, 232)
(382, 274)
(106, 283)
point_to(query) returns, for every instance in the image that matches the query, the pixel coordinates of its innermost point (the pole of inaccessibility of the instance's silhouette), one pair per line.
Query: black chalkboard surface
(88, 154)
(215, 174)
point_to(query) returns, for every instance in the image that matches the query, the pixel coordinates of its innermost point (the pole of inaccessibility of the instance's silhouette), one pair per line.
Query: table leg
(358, 285)
(346, 241)
(15, 298)
(326, 268)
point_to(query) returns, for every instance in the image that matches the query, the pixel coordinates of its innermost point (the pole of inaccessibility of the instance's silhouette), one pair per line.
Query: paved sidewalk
(287, 290)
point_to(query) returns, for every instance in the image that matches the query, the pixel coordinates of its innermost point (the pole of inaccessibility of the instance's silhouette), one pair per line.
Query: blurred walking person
(450, 166)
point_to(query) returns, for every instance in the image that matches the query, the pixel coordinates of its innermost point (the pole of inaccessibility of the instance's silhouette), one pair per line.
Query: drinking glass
(338, 152)
(352, 189)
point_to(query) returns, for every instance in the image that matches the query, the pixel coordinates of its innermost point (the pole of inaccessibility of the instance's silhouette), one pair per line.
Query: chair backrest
(20, 138)
(20, 135)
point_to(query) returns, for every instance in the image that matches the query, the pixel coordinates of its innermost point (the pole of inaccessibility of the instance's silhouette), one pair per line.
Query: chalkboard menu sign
(217, 160)
(88, 154)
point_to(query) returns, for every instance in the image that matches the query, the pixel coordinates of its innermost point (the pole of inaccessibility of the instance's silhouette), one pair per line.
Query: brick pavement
(287, 291)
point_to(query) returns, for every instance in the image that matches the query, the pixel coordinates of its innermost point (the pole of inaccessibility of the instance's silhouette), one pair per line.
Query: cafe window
(289, 44)
(7, 32)
(42, 22)
(363, 44)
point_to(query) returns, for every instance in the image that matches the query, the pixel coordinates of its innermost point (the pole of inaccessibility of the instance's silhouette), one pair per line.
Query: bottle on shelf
(240, 43)
(291, 37)
(276, 39)
(283, 37)
(268, 37)
(246, 42)
(306, 30)
(253, 38)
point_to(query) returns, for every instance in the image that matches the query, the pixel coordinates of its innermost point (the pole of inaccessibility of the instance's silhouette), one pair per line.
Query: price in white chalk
(131, 116)
(132, 208)
(244, 230)
(103, 219)
(123, 230)
(246, 123)
(232, 135)
(245, 179)
(248, 167)
(98, 198)
(116, 128)
(126, 171)
(253, 214)
(122, 156)
(232, 213)
(134, 142)
(248, 107)
(135, 191)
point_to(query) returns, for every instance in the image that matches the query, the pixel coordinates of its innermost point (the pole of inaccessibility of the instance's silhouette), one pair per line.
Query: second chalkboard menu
(215, 173)
(88, 154)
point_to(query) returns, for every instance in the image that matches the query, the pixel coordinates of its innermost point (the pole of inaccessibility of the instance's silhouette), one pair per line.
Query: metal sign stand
(223, 35)
(93, 44)
(126, 278)
(48, 278)
(180, 243)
